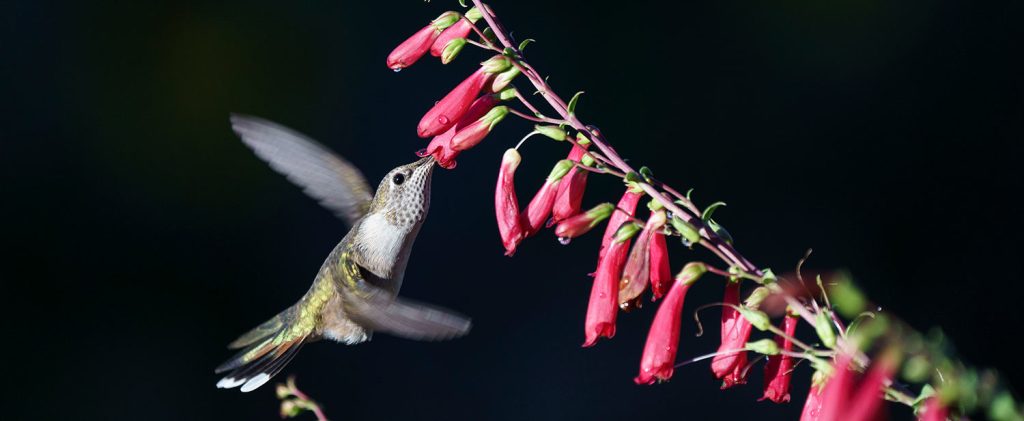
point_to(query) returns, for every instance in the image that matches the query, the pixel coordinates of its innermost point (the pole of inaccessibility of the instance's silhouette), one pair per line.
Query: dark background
(140, 236)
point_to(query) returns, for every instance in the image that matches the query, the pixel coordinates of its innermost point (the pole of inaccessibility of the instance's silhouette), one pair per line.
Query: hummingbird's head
(403, 196)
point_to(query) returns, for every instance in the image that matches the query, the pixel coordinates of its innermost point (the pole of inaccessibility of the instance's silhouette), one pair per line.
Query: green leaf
(823, 326)
(522, 45)
(572, 103)
(463, 3)
(688, 193)
(646, 172)
(706, 216)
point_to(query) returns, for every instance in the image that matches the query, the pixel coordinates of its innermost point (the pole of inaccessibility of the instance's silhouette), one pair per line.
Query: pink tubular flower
(581, 223)
(812, 406)
(934, 410)
(845, 398)
(730, 365)
(506, 205)
(659, 359)
(603, 306)
(443, 115)
(570, 193)
(636, 274)
(661, 270)
(778, 369)
(459, 30)
(441, 146)
(419, 43)
(471, 135)
(628, 204)
(540, 206)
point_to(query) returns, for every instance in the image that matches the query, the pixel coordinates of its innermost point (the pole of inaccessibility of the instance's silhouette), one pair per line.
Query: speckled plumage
(355, 291)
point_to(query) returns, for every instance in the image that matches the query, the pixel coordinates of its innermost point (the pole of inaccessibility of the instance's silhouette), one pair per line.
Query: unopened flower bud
(474, 15)
(445, 20)
(578, 225)
(757, 318)
(507, 94)
(496, 64)
(691, 272)
(587, 160)
(506, 204)
(757, 296)
(627, 231)
(553, 132)
(290, 408)
(452, 49)
(282, 391)
(687, 230)
(764, 347)
(504, 78)
(823, 326)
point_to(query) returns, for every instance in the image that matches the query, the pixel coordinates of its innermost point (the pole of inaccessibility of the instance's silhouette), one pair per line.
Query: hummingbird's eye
(398, 179)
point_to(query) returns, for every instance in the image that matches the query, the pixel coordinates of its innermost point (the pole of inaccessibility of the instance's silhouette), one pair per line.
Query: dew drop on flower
(443, 120)
(687, 242)
(564, 240)
(422, 153)
(399, 69)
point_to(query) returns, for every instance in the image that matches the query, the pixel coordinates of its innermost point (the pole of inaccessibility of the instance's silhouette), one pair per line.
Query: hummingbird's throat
(380, 245)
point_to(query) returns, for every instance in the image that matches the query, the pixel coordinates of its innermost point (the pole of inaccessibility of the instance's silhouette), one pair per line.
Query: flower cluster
(634, 254)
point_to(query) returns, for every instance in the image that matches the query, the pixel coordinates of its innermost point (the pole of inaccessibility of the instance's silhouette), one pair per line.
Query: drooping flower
(419, 43)
(625, 209)
(506, 205)
(540, 206)
(446, 112)
(730, 365)
(812, 406)
(469, 136)
(441, 146)
(570, 193)
(659, 358)
(778, 369)
(636, 274)
(661, 270)
(583, 222)
(603, 306)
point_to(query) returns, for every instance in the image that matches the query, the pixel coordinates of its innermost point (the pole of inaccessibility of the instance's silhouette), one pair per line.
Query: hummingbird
(355, 292)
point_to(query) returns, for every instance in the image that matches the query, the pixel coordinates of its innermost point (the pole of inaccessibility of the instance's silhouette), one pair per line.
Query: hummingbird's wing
(331, 180)
(376, 309)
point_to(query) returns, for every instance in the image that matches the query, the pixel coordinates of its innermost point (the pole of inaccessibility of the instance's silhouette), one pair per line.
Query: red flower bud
(636, 275)
(471, 135)
(540, 206)
(570, 192)
(446, 112)
(580, 224)
(603, 306)
(659, 359)
(441, 146)
(419, 43)
(459, 30)
(730, 366)
(506, 205)
(661, 270)
(778, 369)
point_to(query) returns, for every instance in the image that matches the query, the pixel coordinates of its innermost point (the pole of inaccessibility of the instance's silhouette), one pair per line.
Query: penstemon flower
(624, 210)
(441, 146)
(458, 31)
(603, 306)
(506, 205)
(661, 270)
(636, 274)
(540, 206)
(446, 112)
(659, 359)
(778, 369)
(410, 50)
(582, 223)
(570, 193)
(473, 133)
(730, 365)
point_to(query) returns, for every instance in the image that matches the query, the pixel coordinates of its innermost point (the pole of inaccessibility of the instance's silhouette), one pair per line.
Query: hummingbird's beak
(424, 161)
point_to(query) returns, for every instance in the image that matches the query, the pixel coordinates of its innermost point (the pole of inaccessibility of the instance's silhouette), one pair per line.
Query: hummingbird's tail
(265, 351)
